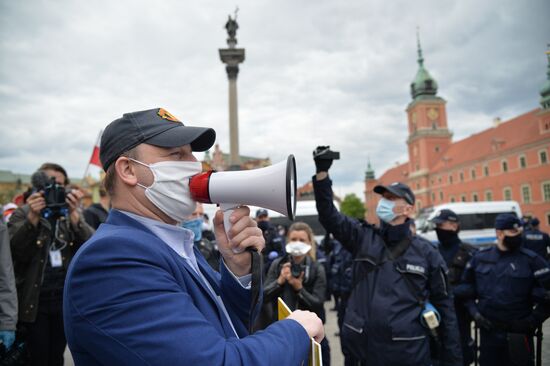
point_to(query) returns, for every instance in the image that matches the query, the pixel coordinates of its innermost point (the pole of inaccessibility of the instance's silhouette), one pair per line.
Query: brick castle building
(509, 161)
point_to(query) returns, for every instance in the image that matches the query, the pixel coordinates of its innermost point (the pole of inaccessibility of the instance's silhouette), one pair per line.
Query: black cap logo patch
(164, 114)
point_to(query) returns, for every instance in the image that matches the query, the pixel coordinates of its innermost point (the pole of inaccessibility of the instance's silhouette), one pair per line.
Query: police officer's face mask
(384, 210)
(512, 242)
(445, 236)
(195, 226)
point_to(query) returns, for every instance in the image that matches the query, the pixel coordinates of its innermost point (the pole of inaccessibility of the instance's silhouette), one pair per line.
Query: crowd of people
(144, 276)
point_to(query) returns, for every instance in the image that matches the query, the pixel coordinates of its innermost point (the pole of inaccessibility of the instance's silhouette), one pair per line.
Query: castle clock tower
(429, 136)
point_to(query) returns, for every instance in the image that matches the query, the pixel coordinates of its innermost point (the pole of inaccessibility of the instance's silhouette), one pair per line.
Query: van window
(479, 221)
(311, 220)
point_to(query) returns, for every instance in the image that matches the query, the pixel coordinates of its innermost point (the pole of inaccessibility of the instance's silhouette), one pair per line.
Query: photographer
(45, 234)
(298, 278)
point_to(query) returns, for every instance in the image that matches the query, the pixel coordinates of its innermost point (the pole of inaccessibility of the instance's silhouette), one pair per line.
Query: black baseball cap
(445, 215)
(397, 188)
(154, 126)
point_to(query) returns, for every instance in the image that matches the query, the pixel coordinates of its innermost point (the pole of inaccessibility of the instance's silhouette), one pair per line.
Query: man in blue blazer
(139, 293)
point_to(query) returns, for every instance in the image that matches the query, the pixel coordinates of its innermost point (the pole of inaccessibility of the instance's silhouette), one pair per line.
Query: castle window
(463, 198)
(475, 198)
(437, 149)
(486, 170)
(452, 199)
(507, 194)
(473, 173)
(441, 195)
(543, 158)
(433, 196)
(488, 196)
(461, 176)
(522, 162)
(450, 179)
(434, 125)
(526, 193)
(504, 166)
(546, 191)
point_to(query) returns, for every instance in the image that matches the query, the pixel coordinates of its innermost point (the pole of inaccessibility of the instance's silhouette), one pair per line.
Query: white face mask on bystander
(170, 188)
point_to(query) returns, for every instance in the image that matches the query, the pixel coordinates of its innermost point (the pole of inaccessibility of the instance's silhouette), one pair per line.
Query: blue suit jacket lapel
(119, 218)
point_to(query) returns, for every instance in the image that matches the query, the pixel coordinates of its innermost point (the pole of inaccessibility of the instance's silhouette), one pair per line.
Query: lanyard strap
(256, 285)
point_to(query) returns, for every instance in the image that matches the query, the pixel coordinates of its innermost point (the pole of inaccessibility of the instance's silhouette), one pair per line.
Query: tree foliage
(352, 206)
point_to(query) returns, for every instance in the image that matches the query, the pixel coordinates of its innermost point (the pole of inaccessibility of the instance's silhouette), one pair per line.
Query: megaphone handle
(256, 264)
(228, 209)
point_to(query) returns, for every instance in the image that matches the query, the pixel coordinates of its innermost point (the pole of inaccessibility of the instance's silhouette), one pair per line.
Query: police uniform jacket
(30, 247)
(382, 319)
(537, 241)
(507, 284)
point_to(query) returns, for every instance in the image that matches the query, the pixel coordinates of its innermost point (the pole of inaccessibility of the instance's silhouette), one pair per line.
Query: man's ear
(409, 211)
(126, 171)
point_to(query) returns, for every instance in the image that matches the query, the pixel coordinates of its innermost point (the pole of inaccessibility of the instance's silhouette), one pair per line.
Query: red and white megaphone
(272, 187)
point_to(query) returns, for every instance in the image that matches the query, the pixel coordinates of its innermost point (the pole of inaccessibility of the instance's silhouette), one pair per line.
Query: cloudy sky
(316, 72)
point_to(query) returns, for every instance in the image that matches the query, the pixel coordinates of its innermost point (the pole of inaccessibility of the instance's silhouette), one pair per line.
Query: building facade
(509, 161)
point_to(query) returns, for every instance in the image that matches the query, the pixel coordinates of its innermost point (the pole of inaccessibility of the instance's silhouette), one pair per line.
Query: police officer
(274, 243)
(508, 282)
(395, 276)
(208, 248)
(456, 254)
(536, 240)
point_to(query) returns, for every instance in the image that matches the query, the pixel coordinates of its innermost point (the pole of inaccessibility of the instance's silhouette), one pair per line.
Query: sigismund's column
(232, 57)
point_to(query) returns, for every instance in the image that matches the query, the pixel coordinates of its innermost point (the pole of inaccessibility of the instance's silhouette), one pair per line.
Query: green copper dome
(545, 90)
(423, 84)
(369, 174)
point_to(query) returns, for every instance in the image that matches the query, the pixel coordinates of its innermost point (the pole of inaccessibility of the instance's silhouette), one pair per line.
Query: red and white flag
(94, 160)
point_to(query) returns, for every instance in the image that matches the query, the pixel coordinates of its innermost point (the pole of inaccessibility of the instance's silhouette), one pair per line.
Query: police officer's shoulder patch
(541, 271)
(468, 248)
(528, 252)
(487, 254)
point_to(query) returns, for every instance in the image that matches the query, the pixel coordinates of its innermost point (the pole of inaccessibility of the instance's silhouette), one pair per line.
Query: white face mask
(297, 248)
(170, 188)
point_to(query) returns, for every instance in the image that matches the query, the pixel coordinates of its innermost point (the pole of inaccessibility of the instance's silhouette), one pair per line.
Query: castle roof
(518, 131)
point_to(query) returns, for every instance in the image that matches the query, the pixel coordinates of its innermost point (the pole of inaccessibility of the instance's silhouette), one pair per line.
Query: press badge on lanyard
(55, 258)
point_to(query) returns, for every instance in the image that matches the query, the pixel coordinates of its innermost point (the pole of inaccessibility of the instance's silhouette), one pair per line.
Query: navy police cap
(507, 221)
(399, 189)
(261, 212)
(445, 215)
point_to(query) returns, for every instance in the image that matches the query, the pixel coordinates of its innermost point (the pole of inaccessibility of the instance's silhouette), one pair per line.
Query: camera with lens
(54, 195)
(325, 153)
(296, 269)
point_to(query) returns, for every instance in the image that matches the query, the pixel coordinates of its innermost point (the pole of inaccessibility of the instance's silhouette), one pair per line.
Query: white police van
(477, 220)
